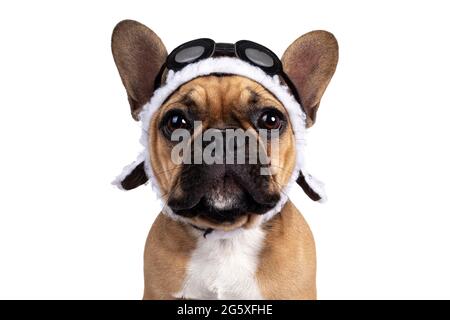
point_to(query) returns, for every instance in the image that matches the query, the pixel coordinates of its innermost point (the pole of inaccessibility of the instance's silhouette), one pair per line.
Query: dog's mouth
(217, 214)
(225, 201)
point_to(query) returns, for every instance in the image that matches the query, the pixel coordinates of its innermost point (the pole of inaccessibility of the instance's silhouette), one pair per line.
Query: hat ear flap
(133, 175)
(313, 188)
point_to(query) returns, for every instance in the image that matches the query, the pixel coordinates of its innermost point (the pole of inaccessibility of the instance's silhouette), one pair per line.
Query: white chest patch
(224, 268)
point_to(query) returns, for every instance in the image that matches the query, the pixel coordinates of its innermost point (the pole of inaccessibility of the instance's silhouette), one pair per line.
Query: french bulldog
(226, 230)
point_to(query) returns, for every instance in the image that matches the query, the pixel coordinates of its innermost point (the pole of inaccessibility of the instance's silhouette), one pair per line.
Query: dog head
(222, 139)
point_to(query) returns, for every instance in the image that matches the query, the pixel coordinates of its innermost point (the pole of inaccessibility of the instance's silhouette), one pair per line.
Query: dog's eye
(173, 120)
(176, 120)
(271, 120)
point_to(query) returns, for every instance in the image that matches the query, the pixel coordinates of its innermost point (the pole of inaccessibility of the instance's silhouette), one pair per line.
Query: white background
(381, 143)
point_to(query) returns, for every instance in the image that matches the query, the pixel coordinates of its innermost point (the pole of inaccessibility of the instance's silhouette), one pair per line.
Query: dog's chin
(227, 204)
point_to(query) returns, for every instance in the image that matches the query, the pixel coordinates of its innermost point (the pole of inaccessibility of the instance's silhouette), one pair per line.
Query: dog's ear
(310, 62)
(139, 55)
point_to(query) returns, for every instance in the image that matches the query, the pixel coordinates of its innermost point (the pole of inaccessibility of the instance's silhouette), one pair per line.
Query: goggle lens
(259, 58)
(189, 54)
